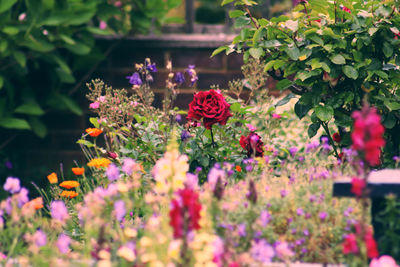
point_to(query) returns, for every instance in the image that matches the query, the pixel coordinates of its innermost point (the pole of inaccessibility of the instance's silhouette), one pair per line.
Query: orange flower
(78, 171)
(99, 162)
(37, 203)
(93, 132)
(53, 179)
(69, 184)
(238, 168)
(68, 194)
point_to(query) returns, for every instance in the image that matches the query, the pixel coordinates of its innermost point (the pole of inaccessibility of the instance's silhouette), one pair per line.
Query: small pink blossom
(45, 32)
(251, 127)
(118, 4)
(22, 17)
(276, 116)
(94, 105)
(102, 99)
(102, 25)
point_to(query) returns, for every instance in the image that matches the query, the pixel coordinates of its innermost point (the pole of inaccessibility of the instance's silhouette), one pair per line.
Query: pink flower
(251, 127)
(102, 99)
(350, 244)
(383, 261)
(12, 185)
(276, 116)
(94, 105)
(283, 251)
(22, 17)
(103, 25)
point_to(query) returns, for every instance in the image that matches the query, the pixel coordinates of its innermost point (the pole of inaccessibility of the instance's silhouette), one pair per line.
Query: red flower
(370, 243)
(367, 135)
(336, 137)
(357, 186)
(185, 212)
(252, 143)
(346, 9)
(350, 244)
(210, 106)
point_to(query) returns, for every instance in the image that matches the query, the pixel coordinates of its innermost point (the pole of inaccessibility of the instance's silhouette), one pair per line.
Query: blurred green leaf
(30, 109)
(324, 113)
(38, 127)
(6, 4)
(14, 123)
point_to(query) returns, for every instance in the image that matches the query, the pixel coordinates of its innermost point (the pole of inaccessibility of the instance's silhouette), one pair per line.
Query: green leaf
(293, 52)
(283, 84)
(225, 2)
(30, 109)
(85, 143)
(10, 30)
(301, 110)
(235, 13)
(350, 72)
(49, 4)
(70, 104)
(285, 100)
(6, 4)
(269, 65)
(99, 31)
(14, 123)
(38, 127)
(338, 59)
(95, 122)
(313, 129)
(38, 45)
(256, 52)
(387, 49)
(324, 113)
(218, 50)
(63, 65)
(236, 107)
(242, 21)
(78, 48)
(67, 39)
(1, 82)
(392, 105)
(20, 58)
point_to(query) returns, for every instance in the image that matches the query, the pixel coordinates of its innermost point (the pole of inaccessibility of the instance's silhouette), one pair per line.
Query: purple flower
(120, 210)
(40, 238)
(59, 211)
(191, 180)
(190, 69)
(192, 73)
(304, 250)
(8, 165)
(151, 67)
(249, 168)
(185, 135)
(289, 220)
(300, 212)
(128, 166)
(179, 78)
(306, 232)
(112, 172)
(8, 206)
(308, 215)
(198, 169)
(312, 146)
(312, 198)
(213, 176)
(178, 118)
(63, 242)
(301, 159)
(323, 215)
(22, 197)
(293, 231)
(134, 79)
(347, 212)
(242, 230)
(261, 251)
(12, 185)
(396, 158)
(293, 151)
(300, 241)
(283, 193)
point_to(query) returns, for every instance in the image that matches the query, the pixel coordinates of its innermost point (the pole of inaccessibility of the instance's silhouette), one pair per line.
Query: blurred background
(50, 49)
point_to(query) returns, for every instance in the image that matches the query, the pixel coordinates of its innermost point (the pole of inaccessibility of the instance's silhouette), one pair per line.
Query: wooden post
(189, 16)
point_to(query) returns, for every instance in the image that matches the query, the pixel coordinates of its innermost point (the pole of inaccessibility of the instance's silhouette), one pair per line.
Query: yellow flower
(99, 162)
(69, 184)
(126, 253)
(302, 58)
(53, 179)
(130, 232)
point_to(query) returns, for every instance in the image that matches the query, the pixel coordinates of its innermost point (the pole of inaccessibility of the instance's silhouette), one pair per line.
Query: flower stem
(326, 128)
(212, 137)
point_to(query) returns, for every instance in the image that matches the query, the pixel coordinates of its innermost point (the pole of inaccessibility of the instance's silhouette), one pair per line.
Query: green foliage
(44, 42)
(331, 58)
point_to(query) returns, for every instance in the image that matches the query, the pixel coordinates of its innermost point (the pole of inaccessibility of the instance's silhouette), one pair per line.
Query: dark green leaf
(285, 100)
(392, 105)
(301, 110)
(284, 84)
(313, 129)
(14, 123)
(218, 50)
(350, 72)
(78, 48)
(242, 21)
(235, 13)
(256, 52)
(38, 127)
(6, 4)
(293, 52)
(387, 49)
(324, 113)
(225, 2)
(70, 104)
(30, 109)
(338, 59)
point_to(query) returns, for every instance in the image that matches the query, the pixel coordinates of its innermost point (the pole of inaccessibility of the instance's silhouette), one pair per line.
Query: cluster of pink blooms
(367, 135)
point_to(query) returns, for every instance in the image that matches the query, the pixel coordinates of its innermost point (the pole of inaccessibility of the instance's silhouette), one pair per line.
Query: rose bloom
(357, 186)
(94, 132)
(69, 184)
(53, 179)
(78, 171)
(210, 106)
(336, 137)
(253, 144)
(350, 244)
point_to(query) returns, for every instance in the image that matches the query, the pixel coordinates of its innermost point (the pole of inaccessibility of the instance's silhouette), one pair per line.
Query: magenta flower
(59, 211)
(63, 242)
(283, 193)
(112, 172)
(12, 185)
(323, 215)
(94, 105)
(120, 210)
(40, 238)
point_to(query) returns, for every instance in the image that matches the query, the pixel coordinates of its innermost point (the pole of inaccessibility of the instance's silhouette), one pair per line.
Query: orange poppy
(238, 168)
(37, 203)
(53, 179)
(93, 132)
(69, 184)
(99, 162)
(78, 171)
(68, 194)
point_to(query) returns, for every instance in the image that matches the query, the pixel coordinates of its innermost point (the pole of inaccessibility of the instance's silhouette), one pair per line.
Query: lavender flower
(63, 242)
(8, 164)
(12, 185)
(40, 238)
(283, 193)
(134, 79)
(151, 67)
(128, 166)
(112, 172)
(261, 251)
(185, 135)
(178, 118)
(306, 232)
(293, 151)
(120, 210)
(59, 211)
(22, 197)
(242, 230)
(179, 78)
(323, 215)
(300, 212)
(213, 176)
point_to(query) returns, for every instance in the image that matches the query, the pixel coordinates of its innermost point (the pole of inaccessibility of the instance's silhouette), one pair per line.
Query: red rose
(336, 137)
(349, 245)
(357, 186)
(370, 243)
(252, 143)
(210, 106)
